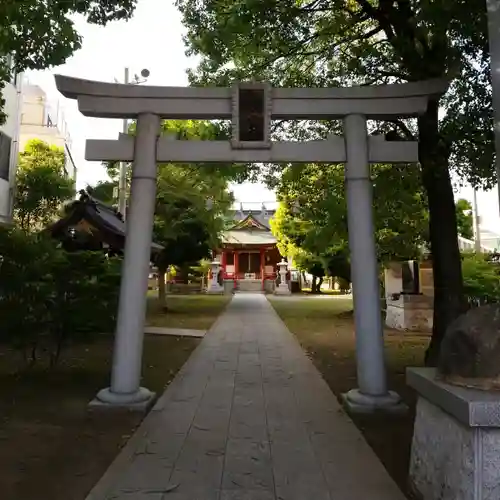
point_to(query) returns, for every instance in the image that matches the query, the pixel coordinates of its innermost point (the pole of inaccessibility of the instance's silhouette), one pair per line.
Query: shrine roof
(103, 217)
(252, 218)
(248, 237)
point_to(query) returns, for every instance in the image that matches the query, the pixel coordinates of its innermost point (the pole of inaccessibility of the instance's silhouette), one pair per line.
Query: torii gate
(251, 107)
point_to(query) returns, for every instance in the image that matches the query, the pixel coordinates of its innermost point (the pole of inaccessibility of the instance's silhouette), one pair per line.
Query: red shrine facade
(248, 255)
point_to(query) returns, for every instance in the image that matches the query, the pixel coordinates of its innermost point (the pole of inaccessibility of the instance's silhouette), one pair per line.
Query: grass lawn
(325, 329)
(51, 446)
(196, 312)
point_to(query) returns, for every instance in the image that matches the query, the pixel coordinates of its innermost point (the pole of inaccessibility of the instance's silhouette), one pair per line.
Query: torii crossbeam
(251, 107)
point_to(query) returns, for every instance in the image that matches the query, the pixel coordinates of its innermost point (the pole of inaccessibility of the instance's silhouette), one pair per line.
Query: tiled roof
(248, 237)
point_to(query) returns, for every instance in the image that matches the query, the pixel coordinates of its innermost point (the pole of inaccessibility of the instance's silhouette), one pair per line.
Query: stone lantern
(283, 288)
(214, 286)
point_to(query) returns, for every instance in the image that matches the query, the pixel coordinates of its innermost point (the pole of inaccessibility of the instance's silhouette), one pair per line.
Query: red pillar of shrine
(262, 267)
(235, 268)
(223, 264)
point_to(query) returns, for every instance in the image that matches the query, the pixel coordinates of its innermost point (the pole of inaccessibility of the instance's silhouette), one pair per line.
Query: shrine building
(248, 253)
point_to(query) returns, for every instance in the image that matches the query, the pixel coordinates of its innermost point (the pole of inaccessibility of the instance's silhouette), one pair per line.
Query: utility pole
(122, 181)
(477, 222)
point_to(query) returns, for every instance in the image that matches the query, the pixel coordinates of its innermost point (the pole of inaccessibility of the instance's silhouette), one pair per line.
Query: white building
(9, 144)
(490, 240)
(42, 119)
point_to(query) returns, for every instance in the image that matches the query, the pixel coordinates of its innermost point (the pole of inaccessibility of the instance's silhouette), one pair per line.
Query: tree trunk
(320, 282)
(313, 285)
(446, 258)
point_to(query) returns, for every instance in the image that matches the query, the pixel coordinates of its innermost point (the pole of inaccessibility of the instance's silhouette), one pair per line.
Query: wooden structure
(248, 254)
(90, 224)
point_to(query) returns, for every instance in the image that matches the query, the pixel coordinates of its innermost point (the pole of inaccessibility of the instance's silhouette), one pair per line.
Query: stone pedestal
(411, 313)
(214, 286)
(283, 288)
(456, 441)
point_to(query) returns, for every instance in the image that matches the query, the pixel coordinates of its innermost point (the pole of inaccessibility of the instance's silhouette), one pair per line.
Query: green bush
(481, 278)
(50, 298)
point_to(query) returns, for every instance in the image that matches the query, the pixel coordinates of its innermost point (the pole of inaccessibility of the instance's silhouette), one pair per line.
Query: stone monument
(214, 286)
(456, 441)
(282, 288)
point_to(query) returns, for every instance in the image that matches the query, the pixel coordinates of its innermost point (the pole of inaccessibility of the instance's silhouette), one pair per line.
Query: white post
(372, 393)
(127, 355)
(122, 180)
(477, 224)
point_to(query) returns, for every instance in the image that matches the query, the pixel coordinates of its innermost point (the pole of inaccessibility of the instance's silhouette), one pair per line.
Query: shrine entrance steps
(250, 285)
(247, 418)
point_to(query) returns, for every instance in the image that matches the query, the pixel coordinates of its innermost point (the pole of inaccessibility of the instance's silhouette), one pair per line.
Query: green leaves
(192, 200)
(464, 219)
(40, 33)
(50, 298)
(334, 42)
(312, 216)
(42, 185)
(481, 277)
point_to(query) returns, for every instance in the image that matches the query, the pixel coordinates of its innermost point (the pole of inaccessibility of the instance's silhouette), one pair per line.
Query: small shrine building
(248, 253)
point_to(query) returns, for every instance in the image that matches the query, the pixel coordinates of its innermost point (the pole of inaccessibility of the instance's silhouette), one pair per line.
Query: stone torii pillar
(356, 150)
(127, 354)
(372, 393)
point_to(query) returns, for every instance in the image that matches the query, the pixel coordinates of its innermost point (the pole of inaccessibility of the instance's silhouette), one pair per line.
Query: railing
(252, 276)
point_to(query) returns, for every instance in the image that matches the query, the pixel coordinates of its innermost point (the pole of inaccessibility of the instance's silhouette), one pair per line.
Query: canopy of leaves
(332, 42)
(38, 34)
(192, 200)
(465, 219)
(42, 185)
(104, 191)
(313, 212)
(481, 277)
(338, 42)
(50, 298)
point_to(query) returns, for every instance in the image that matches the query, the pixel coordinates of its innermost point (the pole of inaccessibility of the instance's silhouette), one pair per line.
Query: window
(230, 259)
(5, 147)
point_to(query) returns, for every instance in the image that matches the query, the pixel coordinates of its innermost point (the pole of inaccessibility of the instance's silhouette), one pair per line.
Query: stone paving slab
(248, 417)
(179, 332)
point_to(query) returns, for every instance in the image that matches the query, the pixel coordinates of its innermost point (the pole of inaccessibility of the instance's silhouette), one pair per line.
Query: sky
(152, 39)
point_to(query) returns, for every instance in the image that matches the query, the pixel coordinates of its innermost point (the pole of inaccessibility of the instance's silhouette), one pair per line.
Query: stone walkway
(247, 418)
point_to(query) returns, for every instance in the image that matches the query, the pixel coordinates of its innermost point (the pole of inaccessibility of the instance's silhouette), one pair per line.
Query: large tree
(339, 42)
(192, 201)
(190, 208)
(38, 34)
(311, 222)
(42, 185)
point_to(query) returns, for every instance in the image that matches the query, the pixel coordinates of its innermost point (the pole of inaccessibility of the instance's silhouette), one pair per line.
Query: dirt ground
(325, 329)
(51, 446)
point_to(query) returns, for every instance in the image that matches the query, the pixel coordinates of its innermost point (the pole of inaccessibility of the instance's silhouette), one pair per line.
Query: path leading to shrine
(247, 418)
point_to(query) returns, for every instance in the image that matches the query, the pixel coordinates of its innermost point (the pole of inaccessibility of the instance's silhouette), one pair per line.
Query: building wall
(9, 145)
(41, 119)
